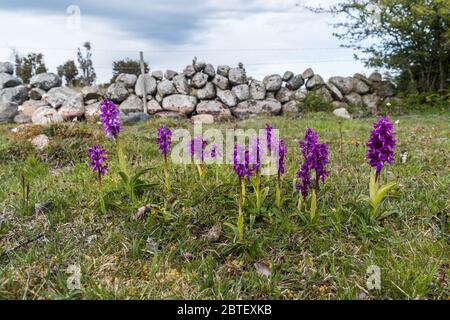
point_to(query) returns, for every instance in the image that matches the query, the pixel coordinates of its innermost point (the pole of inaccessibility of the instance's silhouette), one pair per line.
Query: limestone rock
(283, 95)
(169, 74)
(199, 80)
(128, 80)
(199, 66)
(290, 108)
(132, 104)
(36, 94)
(237, 76)
(353, 99)
(288, 75)
(227, 97)
(170, 115)
(73, 107)
(91, 92)
(257, 90)
(360, 87)
(209, 71)
(325, 94)
(133, 117)
(40, 142)
(363, 78)
(375, 77)
(272, 82)
(150, 85)
(153, 106)
(181, 84)
(45, 81)
(335, 92)
(7, 67)
(342, 113)
(7, 111)
(165, 88)
(21, 118)
(30, 106)
(223, 70)
(157, 74)
(117, 92)
(179, 103)
(16, 94)
(203, 118)
(92, 112)
(371, 102)
(295, 83)
(189, 71)
(46, 116)
(299, 95)
(315, 82)
(249, 108)
(8, 81)
(387, 89)
(220, 82)
(308, 74)
(344, 84)
(215, 108)
(57, 96)
(242, 92)
(207, 92)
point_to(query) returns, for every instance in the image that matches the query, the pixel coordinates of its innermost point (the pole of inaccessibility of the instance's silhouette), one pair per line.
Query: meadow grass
(166, 254)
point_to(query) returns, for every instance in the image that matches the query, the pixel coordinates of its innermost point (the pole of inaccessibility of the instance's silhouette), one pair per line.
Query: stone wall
(223, 92)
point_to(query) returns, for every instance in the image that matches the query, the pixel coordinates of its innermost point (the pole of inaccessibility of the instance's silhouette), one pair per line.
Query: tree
(88, 75)
(29, 65)
(69, 71)
(127, 66)
(409, 37)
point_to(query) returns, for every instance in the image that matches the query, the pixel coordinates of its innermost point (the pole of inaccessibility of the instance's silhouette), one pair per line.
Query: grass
(323, 260)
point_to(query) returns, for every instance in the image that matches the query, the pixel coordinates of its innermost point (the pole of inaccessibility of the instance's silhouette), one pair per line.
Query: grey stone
(169, 74)
(117, 92)
(203, 118)
(360, 86)
(57, 96)
(179, 103)
(227, 97)
(257, 90)
(128, 80)
(342, 113)
(181, 84)
(270, 95)
(150, 85)
(215, 108)
(21, 118)
(363, 78)
(40, 142)
(165, 88)
(207, 92)
(295, 83)
(371, 102)
(242, 92)
(272, 82)
(170, 115)
(90, 92)
(288, 75)
(308, 74)
(199, 66)
(325, 94)
(132, 104)
(223, 70)
(8, 110)
(8, 81)
(153, 106)
(189, 71)
(375, 77)
(209, 71)
(36, 93)
(387, 89)
(339, 104)
(290, 108)
(353, 99)
(249, 108)
(133, 117)
(45, 81)
(220, 82)
(299, 95)
(237, 76)
(92, 112)
(30, 106)
(157, 74)
(344, 84)
(73, 107)
(283, 95)
(335, 92)
(45, 116)
(7, 67)
(199, 80)
(16, 94)
(315, 82)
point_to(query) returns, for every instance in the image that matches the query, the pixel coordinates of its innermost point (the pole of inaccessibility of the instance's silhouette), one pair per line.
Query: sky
(267, 36)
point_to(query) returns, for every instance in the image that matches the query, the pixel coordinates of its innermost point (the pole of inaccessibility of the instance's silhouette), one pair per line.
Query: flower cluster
(269, 136)
(315, 157)
(282, 150)
(98, 161)
(164, 139)
(197, 147)
(381, 144)
(241, 162)
(256, 154)
(109, 116)
(214, 151)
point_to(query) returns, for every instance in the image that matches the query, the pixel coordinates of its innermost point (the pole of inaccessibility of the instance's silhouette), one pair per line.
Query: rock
(227, 97)
(189, 71)
(153, 106)
(272, 82)
(199, 80)
(295, 83)
(249, 108)
(133, 117)
(214, 234)
(127, 79)
(45, 81)
(179, 103)
(15, 94)
(308, 74)
(315, 82)
(237, 76)
(92, 112)
(215, 108)
(335, 92)
(270, 95)
(288, 75)
(223, 70)
(132, 104)
(371, 102)
(375, 77)
(30, 106)
(207, 92)
(283, 95)
(45, 116)
(342, 113)
(299, 95)
(21, 118)
(150, 85)
(8, 81)
(36, 94)
(242, 92)
(387, 89)
(90, 92)
(170, 115)
(344, 84)
(57, 96)
(181, 84)
(290, 108)
(7, 111)
(220, 82)
(363, 78)
(169, 74)
(257, 90)
(360, 87)
(209, 71)
(339, 104)
(203, 118)
(117, 92)
(72, 108)
(7, 67)
(158, 75)
(353, 99)
(199, 66)
(40, 142)
(165, 88)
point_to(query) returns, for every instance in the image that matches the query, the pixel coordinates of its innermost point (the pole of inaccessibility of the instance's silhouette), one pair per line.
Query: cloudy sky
(268, 36)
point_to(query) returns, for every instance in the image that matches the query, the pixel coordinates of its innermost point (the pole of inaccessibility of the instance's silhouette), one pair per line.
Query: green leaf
(312, 211)
(125, 177)
(372, 186)
(382, 192)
